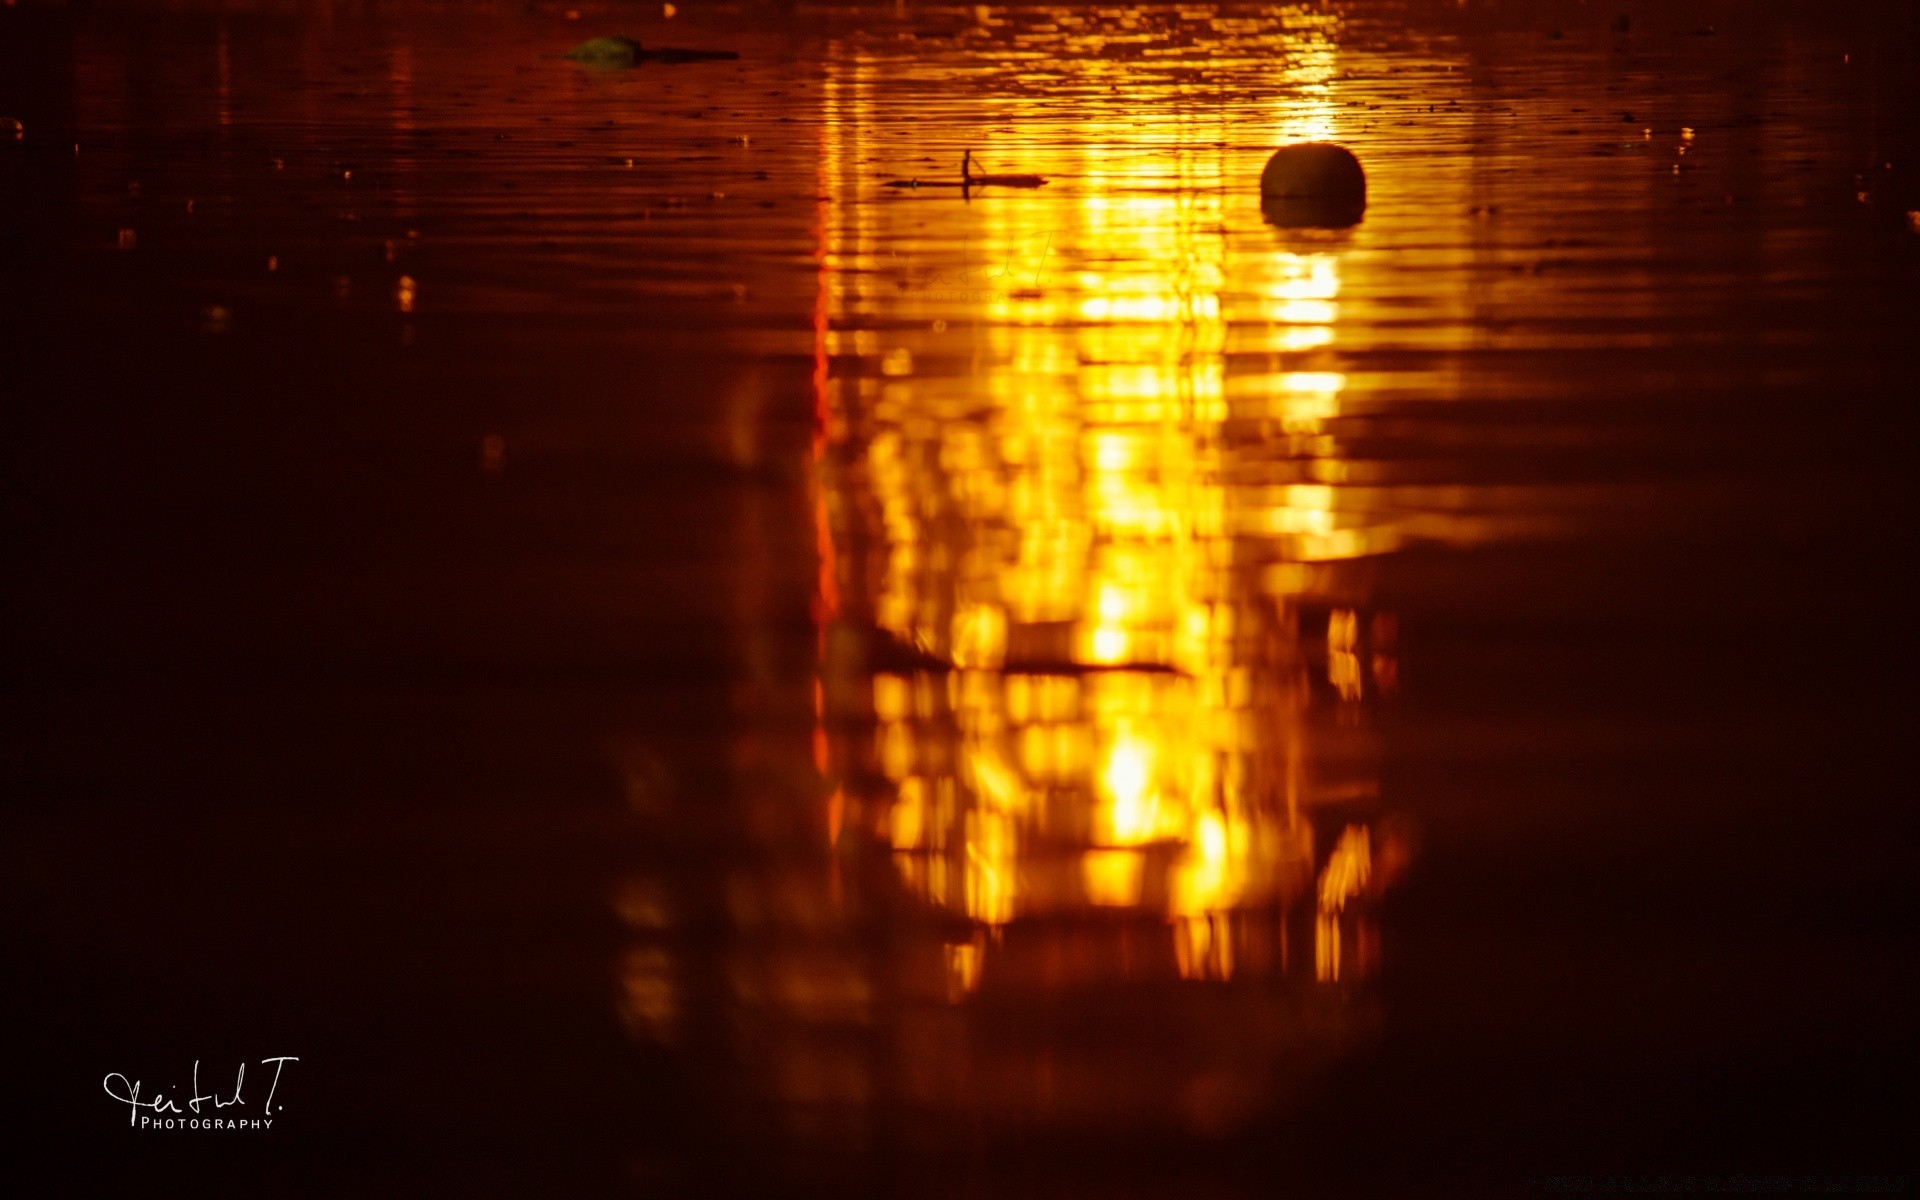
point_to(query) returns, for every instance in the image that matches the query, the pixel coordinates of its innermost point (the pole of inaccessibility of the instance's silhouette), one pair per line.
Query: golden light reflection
(1035, 410)
(1095, 662)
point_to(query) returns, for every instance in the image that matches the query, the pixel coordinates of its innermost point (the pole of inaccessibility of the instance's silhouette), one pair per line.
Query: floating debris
(610, 50)
(626, 52)
(1017, 181)
(968, 180)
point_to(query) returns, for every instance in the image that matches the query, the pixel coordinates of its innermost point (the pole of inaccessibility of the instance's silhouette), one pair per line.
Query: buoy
(1314, 170)
(1313, 183)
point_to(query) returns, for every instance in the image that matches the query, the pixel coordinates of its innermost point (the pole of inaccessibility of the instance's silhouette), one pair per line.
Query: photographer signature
(128, 1092)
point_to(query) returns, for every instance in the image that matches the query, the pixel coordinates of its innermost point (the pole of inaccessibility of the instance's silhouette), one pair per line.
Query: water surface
(655, 661)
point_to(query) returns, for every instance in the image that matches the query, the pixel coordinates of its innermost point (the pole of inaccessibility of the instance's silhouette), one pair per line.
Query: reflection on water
(1089, 833)
(1063, 517)
(988, 602)
(1092, 719)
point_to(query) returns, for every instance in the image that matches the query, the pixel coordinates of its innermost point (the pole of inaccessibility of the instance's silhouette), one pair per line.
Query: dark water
(657, 664)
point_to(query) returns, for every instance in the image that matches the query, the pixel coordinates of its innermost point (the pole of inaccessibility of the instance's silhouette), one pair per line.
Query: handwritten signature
(160, 1106)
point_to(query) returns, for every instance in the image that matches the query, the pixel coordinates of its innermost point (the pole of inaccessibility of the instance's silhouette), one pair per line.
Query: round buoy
(1318, 182)
(1314, 170)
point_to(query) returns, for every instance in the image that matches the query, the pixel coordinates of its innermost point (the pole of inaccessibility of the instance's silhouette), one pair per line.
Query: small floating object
(968, 180)
(1314, 170)
(1313, 183)
(626, 52)
(606, 52)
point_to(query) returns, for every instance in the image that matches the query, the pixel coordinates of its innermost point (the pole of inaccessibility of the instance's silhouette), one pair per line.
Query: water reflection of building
(1092, 715)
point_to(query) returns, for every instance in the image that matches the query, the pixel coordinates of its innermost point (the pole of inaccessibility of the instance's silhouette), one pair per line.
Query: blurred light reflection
(1086, 690)
(1090, 731)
